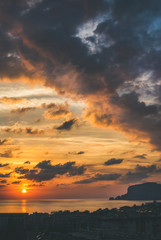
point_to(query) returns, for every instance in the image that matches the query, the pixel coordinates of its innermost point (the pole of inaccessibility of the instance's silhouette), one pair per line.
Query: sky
(80, 97)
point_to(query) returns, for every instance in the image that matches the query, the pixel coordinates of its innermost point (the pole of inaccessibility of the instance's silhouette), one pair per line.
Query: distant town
(132, 223)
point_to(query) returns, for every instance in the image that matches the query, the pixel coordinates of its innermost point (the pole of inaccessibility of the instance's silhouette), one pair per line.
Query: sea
(51, 205)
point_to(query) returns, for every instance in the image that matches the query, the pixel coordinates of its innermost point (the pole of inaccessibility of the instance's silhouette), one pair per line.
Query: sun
(24, 191)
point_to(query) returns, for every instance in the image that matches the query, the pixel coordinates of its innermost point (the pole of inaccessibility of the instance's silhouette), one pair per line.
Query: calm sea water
(48, 205)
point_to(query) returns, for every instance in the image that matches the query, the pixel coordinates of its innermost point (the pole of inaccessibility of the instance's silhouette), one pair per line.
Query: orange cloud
(56, 111)
(27, 130)
(23, 110)
(89, 67)
(11, 100)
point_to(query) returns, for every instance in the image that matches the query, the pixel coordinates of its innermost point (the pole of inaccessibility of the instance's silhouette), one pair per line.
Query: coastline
(49, 205)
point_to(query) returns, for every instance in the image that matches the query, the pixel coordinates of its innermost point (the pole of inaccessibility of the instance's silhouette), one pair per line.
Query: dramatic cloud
(67, 125)
(99, 177)
(45, 171)
(136, 175)
(104, 52)
(140, 173)
(56, 110)
(113, 161)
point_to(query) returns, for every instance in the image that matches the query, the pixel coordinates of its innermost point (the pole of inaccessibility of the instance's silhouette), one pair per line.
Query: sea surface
(50, 205)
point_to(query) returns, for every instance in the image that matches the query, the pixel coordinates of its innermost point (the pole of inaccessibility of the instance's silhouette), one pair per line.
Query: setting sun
(24, 191)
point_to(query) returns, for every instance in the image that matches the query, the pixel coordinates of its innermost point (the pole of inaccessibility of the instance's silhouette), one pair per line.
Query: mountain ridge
(145, 191)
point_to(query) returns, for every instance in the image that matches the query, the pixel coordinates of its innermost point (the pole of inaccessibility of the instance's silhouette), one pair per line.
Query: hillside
(145, 191)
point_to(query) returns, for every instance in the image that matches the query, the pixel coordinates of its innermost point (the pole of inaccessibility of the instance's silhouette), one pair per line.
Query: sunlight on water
(49, 205)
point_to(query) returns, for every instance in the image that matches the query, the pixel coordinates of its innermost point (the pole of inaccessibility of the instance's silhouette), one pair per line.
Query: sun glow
(24, 191)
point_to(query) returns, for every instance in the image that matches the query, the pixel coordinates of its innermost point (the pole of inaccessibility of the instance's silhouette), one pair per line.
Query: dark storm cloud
(137, 115)
(99, 177)
(10, 61)
(67, 125)
(140, 173)
(42, 38)
(158, 93)
(45, 171)
(130, 102)
(113, 161)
